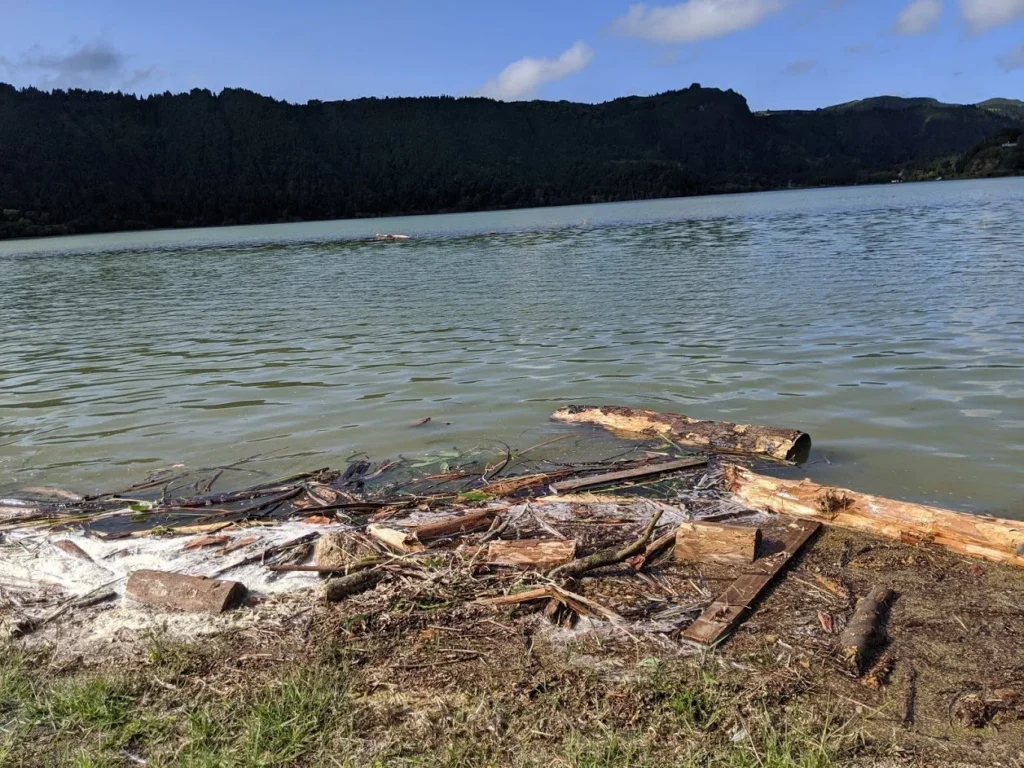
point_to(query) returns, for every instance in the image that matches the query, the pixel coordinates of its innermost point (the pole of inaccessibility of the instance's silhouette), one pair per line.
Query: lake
(887, 321)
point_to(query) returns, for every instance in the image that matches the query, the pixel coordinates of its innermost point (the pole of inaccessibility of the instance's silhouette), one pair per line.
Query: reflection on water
(887, 321)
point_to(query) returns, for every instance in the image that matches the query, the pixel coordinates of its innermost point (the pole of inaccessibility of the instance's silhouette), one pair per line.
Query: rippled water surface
(887, 321)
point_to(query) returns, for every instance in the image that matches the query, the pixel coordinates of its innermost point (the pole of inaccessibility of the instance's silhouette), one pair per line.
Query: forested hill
(78, 161)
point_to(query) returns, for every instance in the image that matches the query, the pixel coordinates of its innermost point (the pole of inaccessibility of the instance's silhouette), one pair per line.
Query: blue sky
(778, 53)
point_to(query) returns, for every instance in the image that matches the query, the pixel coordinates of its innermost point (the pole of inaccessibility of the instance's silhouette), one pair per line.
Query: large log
(785, 444)
(702, 542)
(981, 536)
(183, 593)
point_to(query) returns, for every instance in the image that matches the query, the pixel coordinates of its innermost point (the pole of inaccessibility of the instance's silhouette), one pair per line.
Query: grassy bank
(228, 707)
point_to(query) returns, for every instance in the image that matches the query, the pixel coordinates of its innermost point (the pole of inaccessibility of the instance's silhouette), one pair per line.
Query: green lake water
(887, 321)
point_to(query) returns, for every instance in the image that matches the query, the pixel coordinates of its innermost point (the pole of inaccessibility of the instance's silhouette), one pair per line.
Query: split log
(403, 542)
(539, 554)
(636, 473)
(784, 444)
(701, 542)
(975, 535)
(730, 608)
(474, 521)
(339, 589)
(183, 593)
(862, 637)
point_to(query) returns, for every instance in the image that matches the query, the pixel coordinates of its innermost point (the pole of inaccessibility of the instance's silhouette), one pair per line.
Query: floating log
(981, 536)
(183, 593)
(862, 637)
(729, 609)
(784, 444)
(702, 542)
(539, 554)
(650, 470)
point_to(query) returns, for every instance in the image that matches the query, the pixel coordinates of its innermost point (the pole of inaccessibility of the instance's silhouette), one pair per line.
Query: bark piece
(991, 538)
(339, 589)
(702, 542)
(728, 610)
(539, 554)
(860, 641)
(209, 540)
(474, 521)
(784, 444)
(650, 470)
(402, 542)
(183, 593)
(68, 546)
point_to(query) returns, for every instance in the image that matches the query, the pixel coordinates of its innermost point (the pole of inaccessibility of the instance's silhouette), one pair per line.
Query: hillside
(78, 161)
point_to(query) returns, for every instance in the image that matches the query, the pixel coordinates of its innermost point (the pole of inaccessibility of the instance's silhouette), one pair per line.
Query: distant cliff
(78, 161)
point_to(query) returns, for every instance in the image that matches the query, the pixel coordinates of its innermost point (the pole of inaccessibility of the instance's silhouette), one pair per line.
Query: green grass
(325, 712)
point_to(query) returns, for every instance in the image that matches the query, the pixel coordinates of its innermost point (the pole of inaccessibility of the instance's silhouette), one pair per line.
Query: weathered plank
(650, 470)
(981, 536)
(450, 526)
(703, 542)
(728, 610)
(183, 593)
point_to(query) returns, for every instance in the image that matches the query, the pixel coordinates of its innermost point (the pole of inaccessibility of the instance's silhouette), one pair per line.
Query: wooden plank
(703, 542)
(778, 443)
(628, 474)
(183, 593)
(532, 553)
(729, 609)
(982, 536)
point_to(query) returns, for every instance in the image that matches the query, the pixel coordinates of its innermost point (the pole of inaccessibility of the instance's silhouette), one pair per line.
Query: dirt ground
(414, 672)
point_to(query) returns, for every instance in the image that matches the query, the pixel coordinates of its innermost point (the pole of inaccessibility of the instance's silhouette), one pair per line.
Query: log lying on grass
(975, 535)
(784, 444)
(183, 593)
(862, 637)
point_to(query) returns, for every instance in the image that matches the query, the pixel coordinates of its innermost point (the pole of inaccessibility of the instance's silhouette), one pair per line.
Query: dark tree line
(84, 161)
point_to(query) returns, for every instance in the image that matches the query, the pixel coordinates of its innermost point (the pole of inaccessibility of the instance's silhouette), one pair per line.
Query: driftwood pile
(478, 530)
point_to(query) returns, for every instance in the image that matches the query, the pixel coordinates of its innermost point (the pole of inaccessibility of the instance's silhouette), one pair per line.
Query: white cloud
(919, 17)
(982, 15)
(694, 20)
(521, 79)
(1012, 60)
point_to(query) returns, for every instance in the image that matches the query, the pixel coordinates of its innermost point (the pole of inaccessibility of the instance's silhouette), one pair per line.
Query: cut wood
(861, 639)
(714, 542)
(729, 609)
(339, 548)
(539, 554)
(784, 444)
(975, 535)
(474, 521)
(653, 549)
(183, 593)
(402, 542)
(339, 589)
(519, 597)
(650, 470)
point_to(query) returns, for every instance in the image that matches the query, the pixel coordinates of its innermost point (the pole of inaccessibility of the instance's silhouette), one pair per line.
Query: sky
(780, 54)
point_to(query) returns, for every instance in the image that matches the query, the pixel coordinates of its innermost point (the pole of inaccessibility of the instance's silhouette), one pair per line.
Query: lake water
(887, 321)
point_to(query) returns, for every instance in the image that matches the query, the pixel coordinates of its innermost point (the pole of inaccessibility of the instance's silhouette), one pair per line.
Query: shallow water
(887, 321)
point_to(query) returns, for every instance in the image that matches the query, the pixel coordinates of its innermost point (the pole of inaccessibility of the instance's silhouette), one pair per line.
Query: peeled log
(991, 538)
(785, 444)
(183, 593)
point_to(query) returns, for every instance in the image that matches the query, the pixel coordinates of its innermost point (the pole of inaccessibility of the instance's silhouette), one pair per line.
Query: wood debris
(715, 542)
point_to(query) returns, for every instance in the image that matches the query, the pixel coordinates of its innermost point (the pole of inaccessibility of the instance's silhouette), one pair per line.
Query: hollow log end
(800, 450)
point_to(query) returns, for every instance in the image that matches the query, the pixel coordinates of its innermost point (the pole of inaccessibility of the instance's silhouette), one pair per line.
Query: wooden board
(776, 442)
(628, 474)
(183, 593)
(975, 535)
(540, 554)
(729, 609)
(703, 542)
